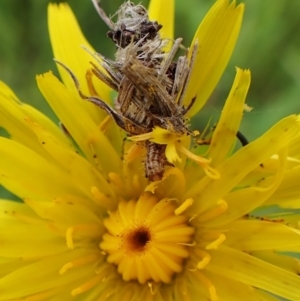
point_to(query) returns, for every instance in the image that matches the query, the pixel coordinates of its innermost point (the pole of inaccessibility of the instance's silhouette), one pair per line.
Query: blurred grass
(269, 45)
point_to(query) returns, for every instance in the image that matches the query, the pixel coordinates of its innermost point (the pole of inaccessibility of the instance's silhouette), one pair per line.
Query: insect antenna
(103, 15)
(113, 79)
(184, 85)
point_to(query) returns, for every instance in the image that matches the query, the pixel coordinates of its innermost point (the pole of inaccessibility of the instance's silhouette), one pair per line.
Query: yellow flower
(92, 227)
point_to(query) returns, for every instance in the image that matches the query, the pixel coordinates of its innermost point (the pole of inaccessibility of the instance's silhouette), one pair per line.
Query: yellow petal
(295, 148)
(224, 135)
(157, 12)
(29, 175)
(16, 118)
(66, 40)
(163, 136)
(247, 269)
(46, 123)
(42, 241)
(13, 119)
(234, 169)
(172, 184)
(15, 210)
(253, 196)
(78, 168)
(81, 220)
(287, 194)
(229, 290)
(45, 275)
(216, 38)
(171, 153)
(84, 131)
(265, 296)
(9, 265)
(141, 137)
(286, 262)
(251, 235)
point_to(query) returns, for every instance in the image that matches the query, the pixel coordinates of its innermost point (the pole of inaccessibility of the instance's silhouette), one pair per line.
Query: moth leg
(121, 121)
(244, 141)
(110, 81)
(190, 105)
(114, 77)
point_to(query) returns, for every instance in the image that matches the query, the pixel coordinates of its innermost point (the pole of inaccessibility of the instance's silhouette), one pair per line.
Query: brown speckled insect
(150, 85)
(155, 161)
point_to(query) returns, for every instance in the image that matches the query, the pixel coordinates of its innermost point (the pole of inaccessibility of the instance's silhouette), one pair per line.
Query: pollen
(146, 240)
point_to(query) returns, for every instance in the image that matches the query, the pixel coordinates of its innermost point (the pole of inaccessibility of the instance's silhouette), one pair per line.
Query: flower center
(137, 239)
(147, 240)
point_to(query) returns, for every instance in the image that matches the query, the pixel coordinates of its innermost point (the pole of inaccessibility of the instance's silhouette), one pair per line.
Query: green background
(269, 45)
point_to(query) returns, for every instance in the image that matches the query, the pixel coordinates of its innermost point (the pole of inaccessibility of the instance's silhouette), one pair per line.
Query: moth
(151, 85)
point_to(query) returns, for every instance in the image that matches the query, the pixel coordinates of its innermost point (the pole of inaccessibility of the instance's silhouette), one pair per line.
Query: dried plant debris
(150, 84)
